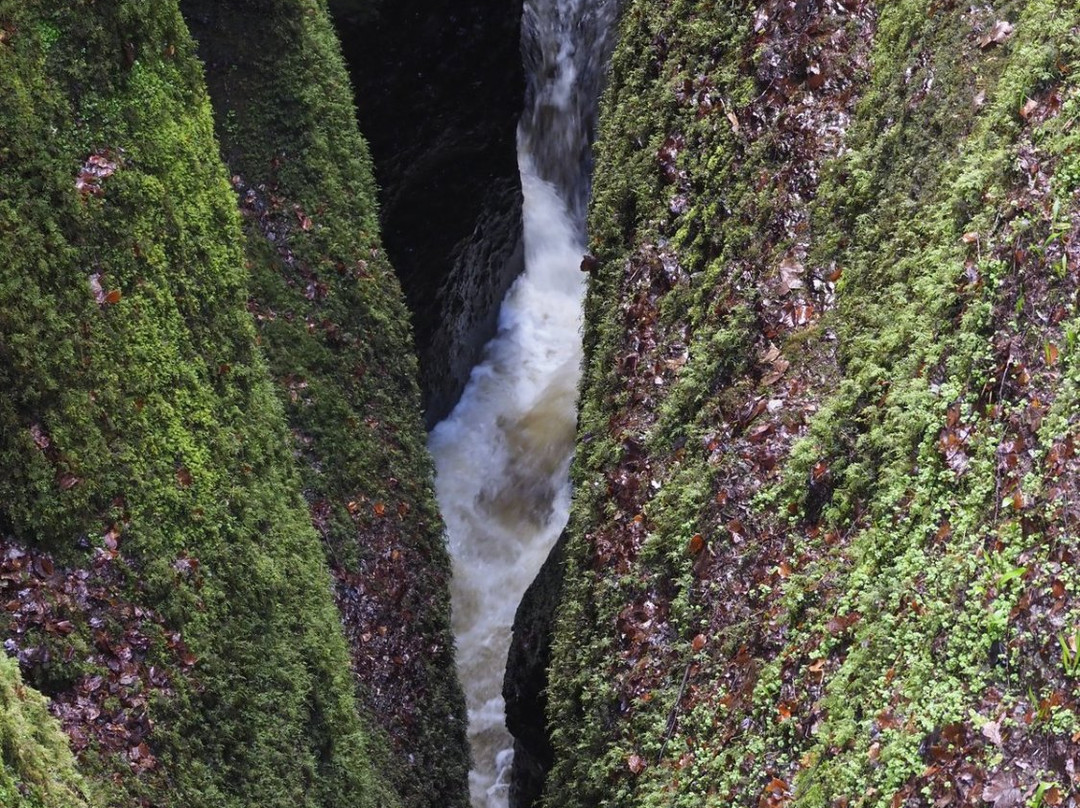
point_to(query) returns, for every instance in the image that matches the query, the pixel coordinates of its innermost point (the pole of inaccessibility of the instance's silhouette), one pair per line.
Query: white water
(501, 463)
(502, 456)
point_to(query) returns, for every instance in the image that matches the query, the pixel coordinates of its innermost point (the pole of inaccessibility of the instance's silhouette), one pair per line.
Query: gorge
(820, 545)
(502, 456)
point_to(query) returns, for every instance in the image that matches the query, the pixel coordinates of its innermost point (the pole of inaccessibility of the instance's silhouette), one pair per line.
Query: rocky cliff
(824, 530)
(439, 89)
(221, 558)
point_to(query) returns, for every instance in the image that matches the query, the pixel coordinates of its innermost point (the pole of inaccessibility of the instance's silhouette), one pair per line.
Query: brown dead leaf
(1000, 33)
(1002, 790)
(780, 367)
(41, 439)
(636, 763)
(769, 355)
(1029, 107)
(791, 272)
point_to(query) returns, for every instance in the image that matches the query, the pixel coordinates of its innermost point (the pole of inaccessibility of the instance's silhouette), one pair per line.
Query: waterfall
(502, 456)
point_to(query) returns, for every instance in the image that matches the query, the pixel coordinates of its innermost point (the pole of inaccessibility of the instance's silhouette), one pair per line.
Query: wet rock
(439, 89)
(525, 684)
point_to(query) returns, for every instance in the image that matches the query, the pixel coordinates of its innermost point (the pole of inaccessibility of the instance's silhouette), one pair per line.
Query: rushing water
(502, 456)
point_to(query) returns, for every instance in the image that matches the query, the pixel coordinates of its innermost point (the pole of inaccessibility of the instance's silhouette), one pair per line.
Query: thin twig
(674, 712)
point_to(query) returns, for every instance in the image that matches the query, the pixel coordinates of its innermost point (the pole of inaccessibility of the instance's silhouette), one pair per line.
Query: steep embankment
(823, 544)
(36, 766)
(162, 580)
(329, 312)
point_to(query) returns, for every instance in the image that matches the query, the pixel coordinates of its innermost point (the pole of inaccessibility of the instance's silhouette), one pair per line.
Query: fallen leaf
(696, 544)
(636, 763)
(1001, 31)
(791, 272)
(1002, 791)
(991, 730)
(698, 642)
(1029, 107)
(112, 537)
(780, 367)
(95, 287)
(40, 438)
(770, 355)
(760, 432)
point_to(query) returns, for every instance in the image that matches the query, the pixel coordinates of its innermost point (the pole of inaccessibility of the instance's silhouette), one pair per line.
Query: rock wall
(213, 457)
(439, 88)
(826, 481)
(330, 315)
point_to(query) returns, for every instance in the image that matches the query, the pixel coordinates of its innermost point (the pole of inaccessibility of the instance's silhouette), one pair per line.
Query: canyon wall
(825, 489)
(221, 557)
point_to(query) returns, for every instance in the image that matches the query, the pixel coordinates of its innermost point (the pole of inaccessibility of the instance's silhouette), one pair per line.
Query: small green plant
(1045, 789)
(1070, 653)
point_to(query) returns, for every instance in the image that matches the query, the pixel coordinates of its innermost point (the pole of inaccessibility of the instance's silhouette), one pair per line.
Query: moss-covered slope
(332, 321)
(824, 537)
(36, 766)
(163, 582)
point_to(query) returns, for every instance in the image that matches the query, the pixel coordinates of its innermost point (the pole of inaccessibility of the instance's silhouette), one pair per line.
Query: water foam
(502, 460)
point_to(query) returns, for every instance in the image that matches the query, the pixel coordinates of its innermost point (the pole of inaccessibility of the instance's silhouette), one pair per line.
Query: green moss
(37, 768)
(332, 321)
(125, 340)
(883, 575)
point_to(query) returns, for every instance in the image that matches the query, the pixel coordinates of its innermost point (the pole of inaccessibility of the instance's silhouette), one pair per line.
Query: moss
(842, 549)
(38, 770)
(138, 411)
(332, 321)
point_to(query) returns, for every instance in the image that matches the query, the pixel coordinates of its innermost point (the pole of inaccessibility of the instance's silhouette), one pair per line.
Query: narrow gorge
(568, 404)
(502, 456)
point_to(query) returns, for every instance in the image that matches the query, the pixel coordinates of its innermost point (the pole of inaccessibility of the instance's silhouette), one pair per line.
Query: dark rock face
(439, 90)
(525, 683)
